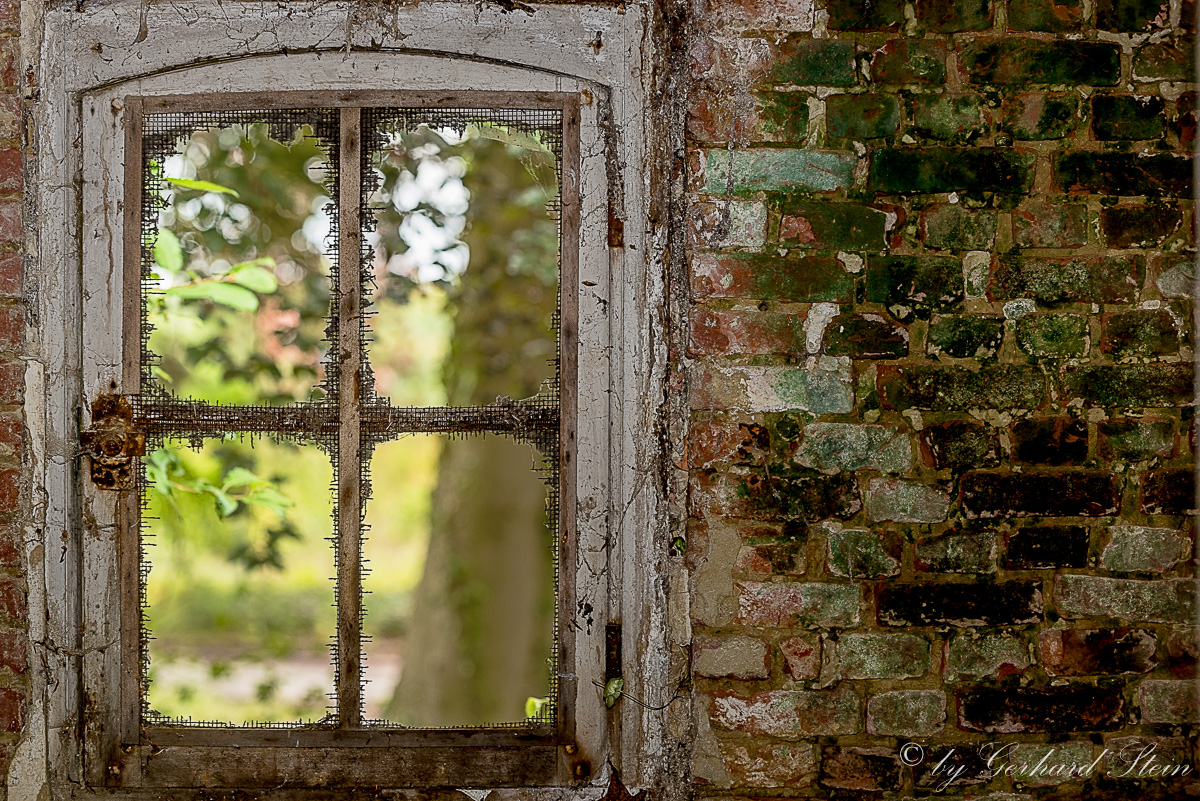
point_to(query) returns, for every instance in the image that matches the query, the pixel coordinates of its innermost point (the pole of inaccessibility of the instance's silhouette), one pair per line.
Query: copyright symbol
(912, 754)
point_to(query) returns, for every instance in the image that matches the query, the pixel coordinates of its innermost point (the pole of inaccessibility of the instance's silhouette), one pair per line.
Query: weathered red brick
(1062, 493)
(1169, 492)
(712, 443)
(10, 544)
(862, 769)
(11, 216)
(739, 657)
(770, 764)
(735, 332)
(793, 604)
(12, 327)
(1092, 652)
(1168, 701)
(12, 709)
(12, 650)
(1039, 547)
(1068, 708)
(1006, 603)
(790, 713)
(10, 275)
(1183, 650)
(12, 178)
(802, 657)
(10, 483)
(804, 279)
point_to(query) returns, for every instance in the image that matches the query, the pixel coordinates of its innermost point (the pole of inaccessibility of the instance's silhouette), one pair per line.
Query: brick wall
(941, 435)
(13, 617)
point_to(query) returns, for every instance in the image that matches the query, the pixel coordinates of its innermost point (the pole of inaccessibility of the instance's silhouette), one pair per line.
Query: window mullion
(349, 459)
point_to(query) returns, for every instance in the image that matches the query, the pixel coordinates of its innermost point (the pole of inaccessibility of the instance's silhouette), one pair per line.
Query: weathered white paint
(89, 61)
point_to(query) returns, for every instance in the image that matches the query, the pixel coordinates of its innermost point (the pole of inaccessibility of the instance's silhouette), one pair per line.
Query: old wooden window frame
(135, 750)
(589, 52)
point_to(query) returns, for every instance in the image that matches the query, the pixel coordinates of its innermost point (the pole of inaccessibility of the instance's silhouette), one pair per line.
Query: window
(574, 114)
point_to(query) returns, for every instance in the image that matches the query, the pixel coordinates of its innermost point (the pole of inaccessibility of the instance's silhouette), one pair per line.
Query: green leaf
(225, 505)
(235, 297)
(254, 278)
(168, 253)
(239, 477)
(679, 545)
(612, 691)
(533, 706)
(202, 186)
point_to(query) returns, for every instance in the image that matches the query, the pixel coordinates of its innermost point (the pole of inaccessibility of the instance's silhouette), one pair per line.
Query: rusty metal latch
(112, 443)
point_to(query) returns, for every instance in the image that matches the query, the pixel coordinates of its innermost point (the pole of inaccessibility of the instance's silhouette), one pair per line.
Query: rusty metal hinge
(113, 443)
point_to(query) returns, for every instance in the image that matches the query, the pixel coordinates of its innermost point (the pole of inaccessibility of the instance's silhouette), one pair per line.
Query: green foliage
(533, 706)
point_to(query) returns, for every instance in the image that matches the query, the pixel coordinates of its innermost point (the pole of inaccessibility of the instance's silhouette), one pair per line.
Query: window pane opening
(238, 605)
(459, 557)
(238, 274)
(462, 233)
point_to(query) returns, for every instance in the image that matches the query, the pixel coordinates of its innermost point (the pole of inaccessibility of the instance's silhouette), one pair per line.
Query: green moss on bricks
(949, 169)
(1053, 16)
(784, 114)
(1130, 386)
(1162, 62)
(759, 169)
(1127, 117)
(854, 553)
(1052, 336)
(1133, 439)
(1014, 62)
(949, 117)
(1144, 332)
(955, 16)
(965, 337)
(1041, 115)
(866, 116)
(1113, 279)
(915, 286)
(941, 389)
(1130, 15)
(821, 62)
(864, 15)
(832, 226)
(953, 227)
(907, 61)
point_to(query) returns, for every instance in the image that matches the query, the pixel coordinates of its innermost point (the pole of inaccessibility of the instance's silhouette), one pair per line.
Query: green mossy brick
(915, 286)
(854, 553)
(1044, 15)
(864, 15)
(1127, 117)
(933, 170)
(866, 116)
(1040, 115)
(958, 446)
(1176, 277)
(1047, 335)
(832, 226)
(949, 117)
(1130, 15)
(819, 62)
(1143, 332)
(944, 389)
(955, 16)
(956, 552)
(846, 447)
(1124, 174)
(866, 336)
(965, 336)
(984, 657)
(784, 115)
(1162, 62)
(1097, 279)
(790, 169)
(1134, 439)
(1140, 226)
(882, 656)
(952, 227)
(903, 61)
(1044, 224)
(1015, 62)
(1130, 386)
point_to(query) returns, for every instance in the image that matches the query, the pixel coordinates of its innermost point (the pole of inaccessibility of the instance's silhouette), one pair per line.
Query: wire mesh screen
(533, 419)
(167, 414)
